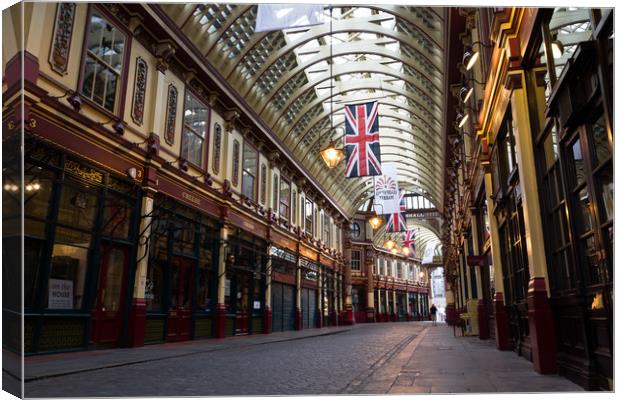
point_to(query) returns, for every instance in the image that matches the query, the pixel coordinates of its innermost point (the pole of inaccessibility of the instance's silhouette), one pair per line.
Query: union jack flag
(361, 140)
(409, 241)
(397, 222)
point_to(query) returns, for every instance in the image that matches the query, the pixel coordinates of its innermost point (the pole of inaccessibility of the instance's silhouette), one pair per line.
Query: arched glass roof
(297, 80)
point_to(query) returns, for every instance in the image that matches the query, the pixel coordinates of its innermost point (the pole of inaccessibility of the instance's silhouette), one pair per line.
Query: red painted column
(501, 322)
(298, 324)
(137, 323)
(542, 332)
(483, 322)
(220, 321)
(268, 320)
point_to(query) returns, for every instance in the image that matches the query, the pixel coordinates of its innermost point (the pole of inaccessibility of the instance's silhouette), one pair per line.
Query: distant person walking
(434, 314)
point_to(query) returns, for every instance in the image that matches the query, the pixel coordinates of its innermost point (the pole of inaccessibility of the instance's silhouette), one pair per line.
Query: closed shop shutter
(305, 312)
(276, 306)
(288, 307)
(312, 308)
(282, 307)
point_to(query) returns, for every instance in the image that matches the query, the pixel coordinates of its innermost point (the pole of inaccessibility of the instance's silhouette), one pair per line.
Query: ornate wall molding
(263, 183)
(235, 160)
(139, 91)
(171, 114)
(217, 147)
(61, 38)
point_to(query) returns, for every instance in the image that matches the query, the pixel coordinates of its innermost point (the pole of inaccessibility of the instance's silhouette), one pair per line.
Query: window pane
(600, 142)
(33, 254)
(584, 204)
(247, 185)
(309, 216)
(605, 181)
(114, 280)
(116, 216)
(153, 287)
(77, 208)
(250, 169)
(577, 162)
(250, 157)
(67, 275)
(192, 148)
(195, 115)
(285, 191)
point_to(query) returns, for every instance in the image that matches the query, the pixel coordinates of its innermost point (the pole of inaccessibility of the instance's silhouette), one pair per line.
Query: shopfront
(358, 298)
(80, 222)
(181, 279)
(284, 266)
(401, 305)
(309, 296)
(244, 293)
(328, 286)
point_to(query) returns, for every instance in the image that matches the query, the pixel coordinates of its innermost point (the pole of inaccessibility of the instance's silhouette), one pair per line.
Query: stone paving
(386, 358)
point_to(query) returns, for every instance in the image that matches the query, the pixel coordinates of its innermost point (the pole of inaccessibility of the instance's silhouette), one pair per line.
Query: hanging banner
(428, 254)
(386, 191)
(273, 17)
(361, 140)
(397, 222)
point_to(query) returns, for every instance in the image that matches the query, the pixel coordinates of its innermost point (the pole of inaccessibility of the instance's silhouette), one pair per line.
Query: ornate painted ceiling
(295, 78)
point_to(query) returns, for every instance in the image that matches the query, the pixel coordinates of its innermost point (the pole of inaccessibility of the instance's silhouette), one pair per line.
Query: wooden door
(180, 310)
(242, 309)
(107, 314)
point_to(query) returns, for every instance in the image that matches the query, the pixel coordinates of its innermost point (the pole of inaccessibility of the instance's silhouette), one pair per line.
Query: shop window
(309, 216)
(399, 269)
(77, 208)
(285, 199)
(194, 130)
(116, 216)
(154, 285)
(103, 62)
(33, 254)
(184, 234)
(356, 260)
(67, 275)
(205, 295)
(250, 169)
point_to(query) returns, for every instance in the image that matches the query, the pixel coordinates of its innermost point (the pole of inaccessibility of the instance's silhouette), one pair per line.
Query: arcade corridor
(211, 176)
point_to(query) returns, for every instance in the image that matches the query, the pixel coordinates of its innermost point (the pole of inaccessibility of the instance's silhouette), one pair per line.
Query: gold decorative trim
(85, 173)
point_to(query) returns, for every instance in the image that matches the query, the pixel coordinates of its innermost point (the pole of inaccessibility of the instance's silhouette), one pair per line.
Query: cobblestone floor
(369, 358)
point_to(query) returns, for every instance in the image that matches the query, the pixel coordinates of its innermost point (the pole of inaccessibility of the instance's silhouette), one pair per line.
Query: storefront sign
(60, 294)
(308, 265)
(191, 198)
(283, 254)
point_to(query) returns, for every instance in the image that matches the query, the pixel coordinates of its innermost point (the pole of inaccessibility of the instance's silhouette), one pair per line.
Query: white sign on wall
(60, 294)
(386, 190)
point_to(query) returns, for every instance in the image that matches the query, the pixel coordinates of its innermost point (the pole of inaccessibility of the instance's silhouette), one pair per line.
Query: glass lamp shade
(374, 222)
(406, 251)
(394, 250)
(332, 155)
(470, 58)
(390, 244)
